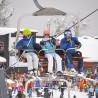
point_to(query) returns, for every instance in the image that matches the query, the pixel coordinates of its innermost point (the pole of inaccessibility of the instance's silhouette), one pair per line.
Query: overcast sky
(79, 8)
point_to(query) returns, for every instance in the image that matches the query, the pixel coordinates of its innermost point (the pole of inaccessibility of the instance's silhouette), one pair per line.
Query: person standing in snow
(90, 91)
(37, 85)
(96, 90)
(46, 93)
(62, 88)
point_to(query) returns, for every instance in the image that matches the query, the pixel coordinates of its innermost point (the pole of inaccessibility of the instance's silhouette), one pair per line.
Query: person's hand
(77, 46)
(25, 47)
(53, 38)
(42, 43)
(68, 39)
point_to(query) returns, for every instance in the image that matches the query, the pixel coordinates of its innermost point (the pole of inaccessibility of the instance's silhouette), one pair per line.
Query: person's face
(68, 36)
(28, 37)
(46, 36)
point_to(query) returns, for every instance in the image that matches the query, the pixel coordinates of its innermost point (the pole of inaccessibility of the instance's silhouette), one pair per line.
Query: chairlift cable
(77, 23)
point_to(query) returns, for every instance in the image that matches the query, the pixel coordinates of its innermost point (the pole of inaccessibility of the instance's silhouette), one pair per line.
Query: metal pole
(37, 4)
(3, 88)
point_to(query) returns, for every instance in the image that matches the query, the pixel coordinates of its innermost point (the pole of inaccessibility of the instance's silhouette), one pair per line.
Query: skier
(37, 86)
(69, 44)
(30, 93)
(62, 88)
(19, 95)
(10, 92)
(46, 92)
(96, 90)
(49, 49)
(27, 44)
(90, 91)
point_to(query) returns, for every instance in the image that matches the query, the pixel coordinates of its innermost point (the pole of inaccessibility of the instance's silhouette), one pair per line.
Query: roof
(7, 30)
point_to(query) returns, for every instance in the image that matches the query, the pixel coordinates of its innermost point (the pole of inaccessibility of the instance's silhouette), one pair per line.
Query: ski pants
(69, 59)
(96, 95)
(58, 60)
(32, 60)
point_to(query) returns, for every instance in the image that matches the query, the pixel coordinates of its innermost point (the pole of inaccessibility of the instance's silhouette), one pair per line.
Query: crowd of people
(27, 85)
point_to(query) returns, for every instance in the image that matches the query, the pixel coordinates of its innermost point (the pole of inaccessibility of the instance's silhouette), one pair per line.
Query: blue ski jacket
(96, 90)
(37, 84)
(25, 43)
(48, 47)
(69, 45)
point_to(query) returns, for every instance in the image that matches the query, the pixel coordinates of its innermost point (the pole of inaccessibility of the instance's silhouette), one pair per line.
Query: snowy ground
(56, 94)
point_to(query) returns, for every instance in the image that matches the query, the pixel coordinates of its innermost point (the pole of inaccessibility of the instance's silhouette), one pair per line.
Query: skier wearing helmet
(69, 44)
(27, 44)
(49, 49)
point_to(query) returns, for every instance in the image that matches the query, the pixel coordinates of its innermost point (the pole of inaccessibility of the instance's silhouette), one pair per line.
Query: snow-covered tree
(5, 12)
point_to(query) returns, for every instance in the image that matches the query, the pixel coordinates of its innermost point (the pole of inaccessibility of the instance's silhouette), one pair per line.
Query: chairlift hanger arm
(37, 4)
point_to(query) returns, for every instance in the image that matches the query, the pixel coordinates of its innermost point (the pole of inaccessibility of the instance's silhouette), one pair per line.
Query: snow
(2, 59)
(72, 93)
(10, 81)
(56, 94)
(89, 49)
(5, 30)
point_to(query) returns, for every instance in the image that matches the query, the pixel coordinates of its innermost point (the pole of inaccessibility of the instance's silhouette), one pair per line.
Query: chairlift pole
(3, 89)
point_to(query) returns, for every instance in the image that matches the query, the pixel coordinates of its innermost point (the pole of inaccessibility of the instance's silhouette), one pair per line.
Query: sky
(78, 8)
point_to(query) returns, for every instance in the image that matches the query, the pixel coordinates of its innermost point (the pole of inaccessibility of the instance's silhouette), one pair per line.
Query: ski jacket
(96, 90)
(26, 44)
(48, 47)
(91, 91)
(69, 45)
(37, 84)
